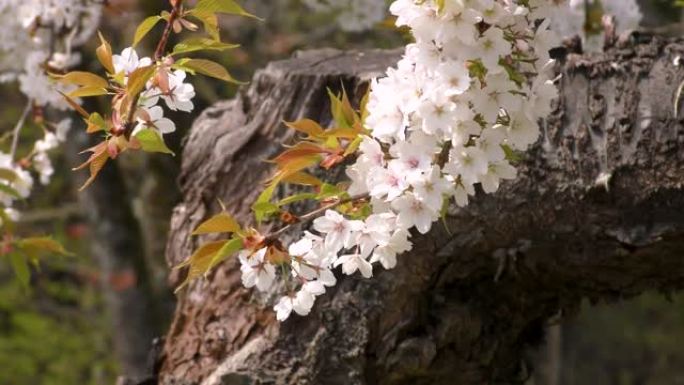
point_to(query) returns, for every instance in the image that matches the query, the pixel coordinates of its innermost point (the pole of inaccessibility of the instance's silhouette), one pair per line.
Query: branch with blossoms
(138, 85)
(41, 42)
(454, 113)
(36, 37)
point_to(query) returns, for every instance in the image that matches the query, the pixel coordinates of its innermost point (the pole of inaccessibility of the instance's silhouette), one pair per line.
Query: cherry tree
(453, 116)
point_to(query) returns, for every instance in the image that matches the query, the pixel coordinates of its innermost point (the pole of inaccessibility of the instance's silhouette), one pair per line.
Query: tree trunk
(597, 212)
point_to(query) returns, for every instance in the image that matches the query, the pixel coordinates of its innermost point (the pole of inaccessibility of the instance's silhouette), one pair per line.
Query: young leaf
(295, 165)
(144, 28)
(84, 79)
(151, 141)
(298, 151)
(104, 54)
(232, 246)
(223, 6)
(201, 44)
(96, 162)
(138, 79)
(95, 123)
(221, 223)
(296, 198)
(8, 175)
(341, 110)
(206, 67)
(85, 92)
(263, 206)
(7, 222)
(200, 261)
(210, 22)
(9, 191)
(42, 245)
(21, 268)
(74, 105)
(353, 146)
(204, 258)
(302, 178)
(307, 126)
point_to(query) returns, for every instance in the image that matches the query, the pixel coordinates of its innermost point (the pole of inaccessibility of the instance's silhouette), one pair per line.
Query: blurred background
(80, 324)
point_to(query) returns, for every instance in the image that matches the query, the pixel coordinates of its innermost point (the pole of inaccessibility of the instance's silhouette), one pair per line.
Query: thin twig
(158, 52)
(161, 46)
(313, 215)
(19, 126)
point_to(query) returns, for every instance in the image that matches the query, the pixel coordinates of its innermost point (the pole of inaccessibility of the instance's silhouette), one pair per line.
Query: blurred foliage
(638, 342)
(56, 333)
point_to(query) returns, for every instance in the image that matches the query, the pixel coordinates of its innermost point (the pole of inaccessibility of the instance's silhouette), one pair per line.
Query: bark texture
(597, 212)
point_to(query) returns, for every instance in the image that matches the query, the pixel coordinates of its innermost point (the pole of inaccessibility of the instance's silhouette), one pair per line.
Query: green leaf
(223, 6)
(21, 268)
(151, 141)
(36, 246)
(104, 54)
(85, 92)
(231, 247)
(95, 123)
(10, 191)
(341, 110)
(296, 198)
(200, 261)
(307, 126)
(8, 175)
(263, 210)
(77, 107)
(210, 22)
(221, 223)
(201, 44)
(328, 191)
(207, 257)
(263, 206)
(353, 146)
(206, 67)
(84, 79)
(138, 79)
(144, 28)
(302, 178)
(511, 155)
(7, 222)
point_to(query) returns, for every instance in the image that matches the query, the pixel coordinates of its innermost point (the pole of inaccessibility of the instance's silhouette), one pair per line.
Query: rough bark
(597, 212)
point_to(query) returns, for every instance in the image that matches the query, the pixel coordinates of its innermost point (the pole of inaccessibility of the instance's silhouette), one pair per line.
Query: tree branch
(19, 126)
(308, 217)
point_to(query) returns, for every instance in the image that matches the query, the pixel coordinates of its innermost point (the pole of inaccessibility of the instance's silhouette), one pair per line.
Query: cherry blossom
(337, 229)
(470, 89)
(154, 118)
(256, 271)
(128, 61)
(178, 97)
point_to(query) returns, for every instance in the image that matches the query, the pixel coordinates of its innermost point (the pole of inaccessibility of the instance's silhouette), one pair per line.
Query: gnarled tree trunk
(597, 212)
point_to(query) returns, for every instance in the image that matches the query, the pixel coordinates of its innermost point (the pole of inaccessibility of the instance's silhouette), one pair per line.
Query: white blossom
(128, 61)
(256, 271)
(154, 118)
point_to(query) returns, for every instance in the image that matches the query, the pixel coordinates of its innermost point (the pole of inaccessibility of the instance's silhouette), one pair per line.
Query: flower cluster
(352, 15)
(37, 37)
(168, 85)
(583, 18)
(466, 95)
